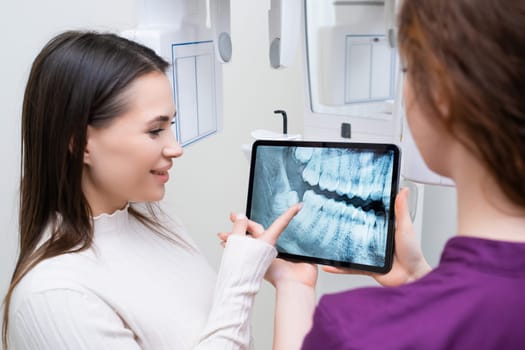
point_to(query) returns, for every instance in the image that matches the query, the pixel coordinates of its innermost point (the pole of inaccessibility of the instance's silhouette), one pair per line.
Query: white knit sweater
(135, 290)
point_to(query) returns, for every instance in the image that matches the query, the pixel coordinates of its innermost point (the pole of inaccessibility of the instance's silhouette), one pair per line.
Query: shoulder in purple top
(474, 299)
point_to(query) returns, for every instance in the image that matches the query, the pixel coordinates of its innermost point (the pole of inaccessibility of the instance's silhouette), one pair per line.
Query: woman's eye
(155, 132)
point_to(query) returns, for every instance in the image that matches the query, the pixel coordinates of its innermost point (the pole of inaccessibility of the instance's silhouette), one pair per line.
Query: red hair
(472, 53)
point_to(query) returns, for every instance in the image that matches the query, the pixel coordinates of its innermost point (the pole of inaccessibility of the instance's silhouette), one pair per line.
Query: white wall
(439, 221)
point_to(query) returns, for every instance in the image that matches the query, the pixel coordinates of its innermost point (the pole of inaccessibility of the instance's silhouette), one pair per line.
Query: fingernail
(300, 205)
(240, 216)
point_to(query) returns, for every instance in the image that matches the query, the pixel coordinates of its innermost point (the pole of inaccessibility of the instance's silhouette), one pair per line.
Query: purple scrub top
(474, 299)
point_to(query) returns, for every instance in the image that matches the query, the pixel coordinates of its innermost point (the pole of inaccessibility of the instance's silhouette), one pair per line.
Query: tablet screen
(347, 191)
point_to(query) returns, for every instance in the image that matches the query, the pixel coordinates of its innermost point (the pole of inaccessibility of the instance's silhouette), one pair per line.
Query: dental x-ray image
(347, 191)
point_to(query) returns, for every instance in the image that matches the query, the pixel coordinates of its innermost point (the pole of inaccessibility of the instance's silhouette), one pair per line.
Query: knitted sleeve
(244, 263)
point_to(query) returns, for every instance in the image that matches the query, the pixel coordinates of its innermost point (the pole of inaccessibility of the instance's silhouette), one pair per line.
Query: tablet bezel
(379, 147)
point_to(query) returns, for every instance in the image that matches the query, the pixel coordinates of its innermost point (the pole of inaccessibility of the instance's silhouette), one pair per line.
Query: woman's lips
(162, 176)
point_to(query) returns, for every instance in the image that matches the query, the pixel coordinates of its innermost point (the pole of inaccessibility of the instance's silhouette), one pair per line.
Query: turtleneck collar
(113, 221)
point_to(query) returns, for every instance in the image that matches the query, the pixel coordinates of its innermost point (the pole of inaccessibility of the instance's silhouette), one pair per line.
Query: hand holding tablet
(347, 191)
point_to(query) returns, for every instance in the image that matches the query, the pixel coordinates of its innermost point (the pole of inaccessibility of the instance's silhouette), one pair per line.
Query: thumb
(240, 224)
(403, 220)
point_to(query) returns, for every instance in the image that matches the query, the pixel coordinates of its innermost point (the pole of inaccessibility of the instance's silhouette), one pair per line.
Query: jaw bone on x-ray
(346, 195)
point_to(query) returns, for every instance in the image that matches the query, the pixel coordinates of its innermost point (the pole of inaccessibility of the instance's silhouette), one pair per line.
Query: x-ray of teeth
(345, 194)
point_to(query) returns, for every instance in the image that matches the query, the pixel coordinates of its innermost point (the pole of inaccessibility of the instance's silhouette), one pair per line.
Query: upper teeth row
(351, 173)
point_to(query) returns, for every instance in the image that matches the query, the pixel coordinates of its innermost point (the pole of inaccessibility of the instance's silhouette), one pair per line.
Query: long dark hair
(78, 79)
(472, 52)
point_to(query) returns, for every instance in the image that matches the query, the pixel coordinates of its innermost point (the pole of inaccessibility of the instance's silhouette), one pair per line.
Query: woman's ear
(441, 96)
(443, 106)
(87, 156)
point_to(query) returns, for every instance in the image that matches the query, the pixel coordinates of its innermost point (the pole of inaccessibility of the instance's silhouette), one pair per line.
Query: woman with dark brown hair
(100, 266)
(464, 64)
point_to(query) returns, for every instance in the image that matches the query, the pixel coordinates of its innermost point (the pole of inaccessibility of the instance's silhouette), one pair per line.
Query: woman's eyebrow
(160, 118)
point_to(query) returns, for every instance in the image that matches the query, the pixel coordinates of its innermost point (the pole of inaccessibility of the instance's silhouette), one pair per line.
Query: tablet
(347, 191)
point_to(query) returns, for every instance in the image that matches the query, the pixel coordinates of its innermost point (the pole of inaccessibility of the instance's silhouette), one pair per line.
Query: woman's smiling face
(128, 160)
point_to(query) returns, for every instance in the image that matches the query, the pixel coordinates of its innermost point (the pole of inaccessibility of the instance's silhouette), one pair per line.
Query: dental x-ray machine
(352, 75)
(351, 67)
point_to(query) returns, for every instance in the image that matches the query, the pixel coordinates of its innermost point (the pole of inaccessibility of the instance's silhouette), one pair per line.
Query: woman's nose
(172, 149)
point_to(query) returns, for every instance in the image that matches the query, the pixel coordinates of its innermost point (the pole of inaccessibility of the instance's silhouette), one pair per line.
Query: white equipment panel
(186, 33)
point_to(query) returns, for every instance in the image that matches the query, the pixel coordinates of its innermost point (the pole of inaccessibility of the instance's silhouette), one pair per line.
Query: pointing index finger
(272, 233)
